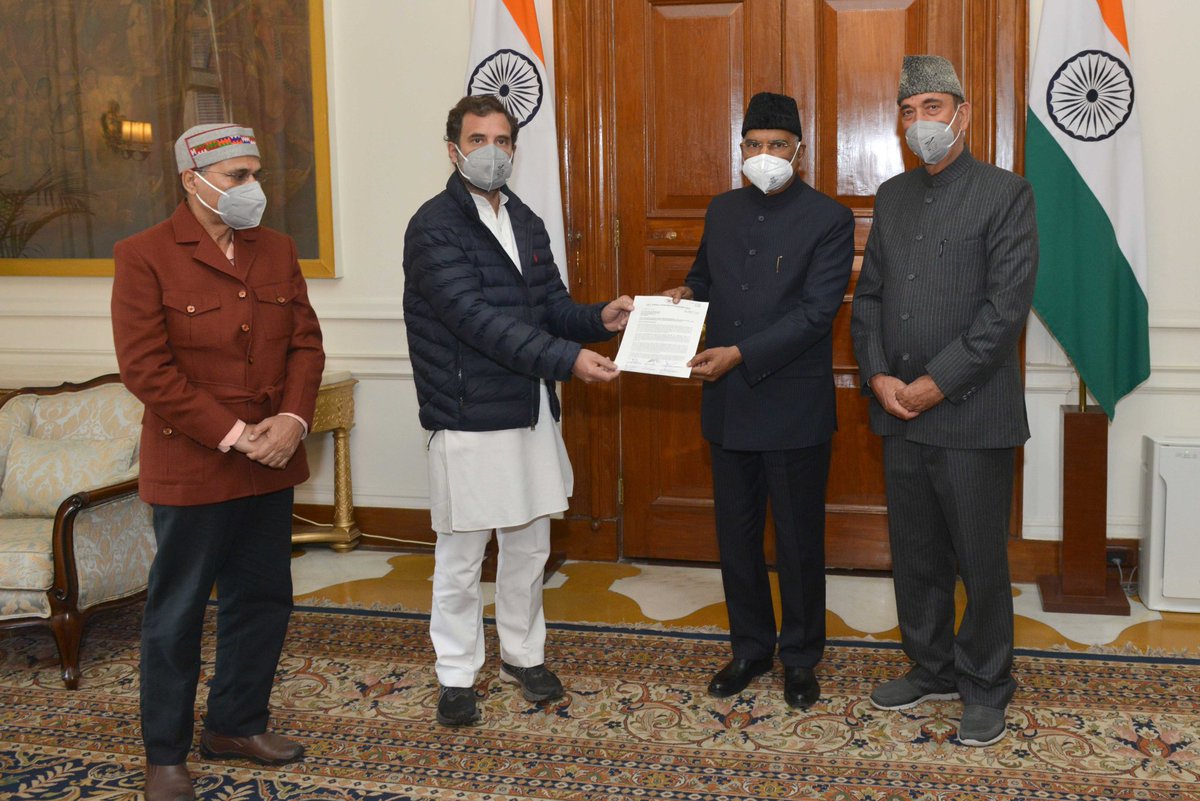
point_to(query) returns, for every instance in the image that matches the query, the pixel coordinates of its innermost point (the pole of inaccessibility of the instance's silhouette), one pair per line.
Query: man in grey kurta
(944, 292)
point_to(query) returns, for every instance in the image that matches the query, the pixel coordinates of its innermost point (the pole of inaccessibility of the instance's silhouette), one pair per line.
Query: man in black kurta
(773, 265)
(944, 292)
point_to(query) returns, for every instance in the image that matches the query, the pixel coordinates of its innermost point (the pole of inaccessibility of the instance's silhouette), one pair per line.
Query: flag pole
(1083, 582)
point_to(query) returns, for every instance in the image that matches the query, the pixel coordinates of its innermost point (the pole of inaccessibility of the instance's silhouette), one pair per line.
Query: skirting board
(583, 540)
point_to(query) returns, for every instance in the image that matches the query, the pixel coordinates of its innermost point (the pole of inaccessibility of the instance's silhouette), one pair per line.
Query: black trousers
(948, 511)
(794, 481)
(244, 547)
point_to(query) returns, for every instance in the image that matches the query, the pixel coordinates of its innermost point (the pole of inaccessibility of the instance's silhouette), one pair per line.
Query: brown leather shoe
(169, 783)
(265, 748)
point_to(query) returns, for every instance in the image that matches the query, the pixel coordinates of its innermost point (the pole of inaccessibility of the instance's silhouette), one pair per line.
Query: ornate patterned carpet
(358, 689)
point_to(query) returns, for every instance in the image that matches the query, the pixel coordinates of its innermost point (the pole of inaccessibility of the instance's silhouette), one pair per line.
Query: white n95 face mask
(488, 167)
(768, 172)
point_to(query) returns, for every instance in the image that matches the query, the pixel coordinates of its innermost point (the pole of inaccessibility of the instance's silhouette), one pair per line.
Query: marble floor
(691, 597)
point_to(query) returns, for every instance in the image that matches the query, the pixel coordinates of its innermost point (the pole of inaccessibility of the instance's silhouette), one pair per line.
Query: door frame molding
(584, 59)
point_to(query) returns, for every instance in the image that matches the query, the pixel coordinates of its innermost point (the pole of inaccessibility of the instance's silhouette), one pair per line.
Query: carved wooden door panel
(680, 75)
(684, 74)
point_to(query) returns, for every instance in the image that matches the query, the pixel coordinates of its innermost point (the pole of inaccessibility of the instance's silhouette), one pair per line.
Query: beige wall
(395, 66)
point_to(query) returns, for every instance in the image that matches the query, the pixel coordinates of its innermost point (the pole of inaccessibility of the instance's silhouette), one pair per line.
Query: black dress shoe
(800, 688)
(733, 678)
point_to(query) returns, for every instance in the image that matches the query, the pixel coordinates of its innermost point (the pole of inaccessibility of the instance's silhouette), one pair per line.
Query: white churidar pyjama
(509, 481)
(456, 621)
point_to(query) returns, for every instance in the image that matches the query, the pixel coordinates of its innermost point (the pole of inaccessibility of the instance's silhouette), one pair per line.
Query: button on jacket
(204, 343)
(774, 269)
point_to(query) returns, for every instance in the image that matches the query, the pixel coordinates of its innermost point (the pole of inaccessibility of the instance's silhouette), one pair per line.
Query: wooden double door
(652, 95)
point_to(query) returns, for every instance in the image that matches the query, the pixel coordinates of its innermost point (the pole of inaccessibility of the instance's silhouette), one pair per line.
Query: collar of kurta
(188, 228)
(954, 170)
(456, 185)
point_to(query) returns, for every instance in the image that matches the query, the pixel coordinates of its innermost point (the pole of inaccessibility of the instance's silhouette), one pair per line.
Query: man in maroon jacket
(215, 335)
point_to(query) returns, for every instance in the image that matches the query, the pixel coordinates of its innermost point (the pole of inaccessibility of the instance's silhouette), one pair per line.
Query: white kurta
(491, 479)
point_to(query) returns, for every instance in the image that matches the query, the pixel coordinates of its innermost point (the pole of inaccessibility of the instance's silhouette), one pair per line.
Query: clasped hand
(906, 401)
(272, 441)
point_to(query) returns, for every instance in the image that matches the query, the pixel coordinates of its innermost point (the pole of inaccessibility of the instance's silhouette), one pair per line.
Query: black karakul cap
(769, 110)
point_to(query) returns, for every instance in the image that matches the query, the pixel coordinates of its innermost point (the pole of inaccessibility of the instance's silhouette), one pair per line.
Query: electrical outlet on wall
(1119, 555)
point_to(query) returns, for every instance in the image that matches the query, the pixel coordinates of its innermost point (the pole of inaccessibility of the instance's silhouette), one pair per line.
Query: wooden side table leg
(335, 413)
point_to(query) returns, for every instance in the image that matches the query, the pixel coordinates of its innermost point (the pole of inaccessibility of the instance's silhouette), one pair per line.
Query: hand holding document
(662, 336)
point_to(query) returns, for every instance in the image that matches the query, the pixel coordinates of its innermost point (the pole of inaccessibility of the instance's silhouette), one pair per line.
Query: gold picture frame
(73, 106)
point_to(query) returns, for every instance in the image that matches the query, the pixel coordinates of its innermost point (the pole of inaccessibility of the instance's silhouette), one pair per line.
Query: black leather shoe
(800, 688)
(456, 706)
(733, 678)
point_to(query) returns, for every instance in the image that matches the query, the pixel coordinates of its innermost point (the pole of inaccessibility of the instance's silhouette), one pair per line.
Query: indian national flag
(507, 60)
(1083, 155)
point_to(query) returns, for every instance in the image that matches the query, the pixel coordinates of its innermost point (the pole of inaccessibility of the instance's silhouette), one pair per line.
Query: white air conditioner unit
(1169, 562)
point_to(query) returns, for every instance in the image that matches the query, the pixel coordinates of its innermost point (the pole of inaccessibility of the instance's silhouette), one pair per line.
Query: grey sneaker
(903, 694)
(537, 683)
(981, 725)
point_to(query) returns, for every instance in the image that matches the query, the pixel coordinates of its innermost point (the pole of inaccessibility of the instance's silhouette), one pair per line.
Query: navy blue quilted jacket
(482, 335)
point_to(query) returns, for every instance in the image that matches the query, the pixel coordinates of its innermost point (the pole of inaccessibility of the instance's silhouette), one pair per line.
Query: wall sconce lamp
(127, 138)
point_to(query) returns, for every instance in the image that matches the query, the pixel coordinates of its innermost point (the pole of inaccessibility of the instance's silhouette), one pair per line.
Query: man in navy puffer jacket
(491, 328)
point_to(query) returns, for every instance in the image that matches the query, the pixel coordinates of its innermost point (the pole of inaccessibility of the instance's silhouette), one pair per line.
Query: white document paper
(661, 336)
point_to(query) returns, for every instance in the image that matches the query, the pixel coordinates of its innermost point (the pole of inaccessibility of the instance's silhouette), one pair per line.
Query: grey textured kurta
(945, 289)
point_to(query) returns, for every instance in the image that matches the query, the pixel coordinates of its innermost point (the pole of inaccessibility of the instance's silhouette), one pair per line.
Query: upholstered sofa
(74, 537)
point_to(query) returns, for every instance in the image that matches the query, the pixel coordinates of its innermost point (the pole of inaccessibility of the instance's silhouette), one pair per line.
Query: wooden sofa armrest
(66, 581)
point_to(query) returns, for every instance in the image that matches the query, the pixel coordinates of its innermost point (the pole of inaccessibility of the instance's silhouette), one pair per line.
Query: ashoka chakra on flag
(1090, 96)
(512, 77)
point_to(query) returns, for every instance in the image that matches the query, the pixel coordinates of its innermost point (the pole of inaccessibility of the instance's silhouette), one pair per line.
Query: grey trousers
(949, 508)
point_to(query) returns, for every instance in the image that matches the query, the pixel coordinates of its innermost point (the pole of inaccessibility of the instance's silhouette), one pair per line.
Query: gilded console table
(335, 413)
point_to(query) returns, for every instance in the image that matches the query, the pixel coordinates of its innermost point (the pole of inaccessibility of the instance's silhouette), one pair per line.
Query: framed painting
(93, 94)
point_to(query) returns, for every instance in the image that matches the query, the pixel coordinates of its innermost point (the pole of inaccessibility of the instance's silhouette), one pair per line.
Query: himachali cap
(768, 110)
(921, 74)
(202, 145)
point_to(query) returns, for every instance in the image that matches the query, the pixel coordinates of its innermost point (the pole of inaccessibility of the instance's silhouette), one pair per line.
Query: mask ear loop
(210, 186)
(215, 189)
(952, 118)
(791, 161)
(458, 164)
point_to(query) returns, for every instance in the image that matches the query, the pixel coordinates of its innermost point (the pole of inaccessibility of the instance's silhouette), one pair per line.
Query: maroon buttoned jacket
(203, 342)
